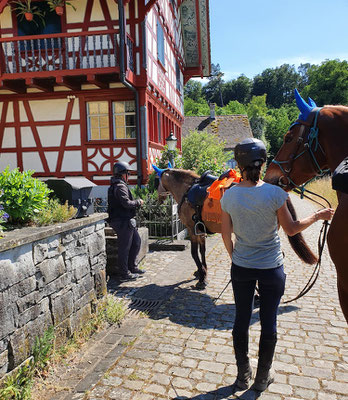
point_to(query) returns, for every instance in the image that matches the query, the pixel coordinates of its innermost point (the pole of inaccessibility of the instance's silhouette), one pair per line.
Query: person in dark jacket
(122, 210)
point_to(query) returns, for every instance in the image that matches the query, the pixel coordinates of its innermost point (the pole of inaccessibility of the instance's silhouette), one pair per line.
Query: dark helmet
(121, 167)
(250, 152)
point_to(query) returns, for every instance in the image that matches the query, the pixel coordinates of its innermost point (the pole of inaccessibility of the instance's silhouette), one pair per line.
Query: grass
(323, 187)
(19, 383)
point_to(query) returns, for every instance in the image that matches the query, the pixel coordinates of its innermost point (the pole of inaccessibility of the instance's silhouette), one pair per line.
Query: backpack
(340, 177)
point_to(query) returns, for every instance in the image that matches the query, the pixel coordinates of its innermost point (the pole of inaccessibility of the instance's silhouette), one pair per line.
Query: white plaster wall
(52, 157)
(49, 110)
(8, 159)
(50, 135)
(32, 160)
(74, 136)
(27, 137)
(72, 161)
(9, 139)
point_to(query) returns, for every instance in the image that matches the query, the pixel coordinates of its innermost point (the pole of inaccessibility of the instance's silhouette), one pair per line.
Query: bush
(3, 218)
(202, 151)
(54, 212)
(22, 195)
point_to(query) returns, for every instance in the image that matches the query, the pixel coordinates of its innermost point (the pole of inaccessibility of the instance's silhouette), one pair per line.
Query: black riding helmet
(250, 153)
(121, 167)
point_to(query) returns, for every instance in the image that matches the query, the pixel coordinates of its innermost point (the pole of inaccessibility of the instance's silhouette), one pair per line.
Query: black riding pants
(271, 284)
(128, 243)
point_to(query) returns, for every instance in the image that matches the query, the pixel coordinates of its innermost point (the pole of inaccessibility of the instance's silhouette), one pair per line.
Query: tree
(238, 89)
(202, 151)
(192, 107)
(212, 91)
(233, 107)
(193, 90)
(278, 84)
(328, 83)
(276, 126)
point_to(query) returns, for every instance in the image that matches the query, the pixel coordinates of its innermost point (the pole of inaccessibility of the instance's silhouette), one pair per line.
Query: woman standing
(253, 210)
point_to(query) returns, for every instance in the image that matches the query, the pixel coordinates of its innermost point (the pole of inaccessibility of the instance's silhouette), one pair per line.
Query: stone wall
(48, 276)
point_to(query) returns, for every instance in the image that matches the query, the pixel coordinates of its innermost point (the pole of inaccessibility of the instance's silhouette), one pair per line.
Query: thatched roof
(230, 128)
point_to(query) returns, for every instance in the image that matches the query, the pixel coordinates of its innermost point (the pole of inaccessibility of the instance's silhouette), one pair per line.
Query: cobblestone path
(184, 349)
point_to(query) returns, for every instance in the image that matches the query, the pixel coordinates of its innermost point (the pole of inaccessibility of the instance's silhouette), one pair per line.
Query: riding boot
(263, 377)
(241, 346)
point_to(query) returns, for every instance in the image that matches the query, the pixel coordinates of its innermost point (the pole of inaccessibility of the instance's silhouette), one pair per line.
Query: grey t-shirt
(253, 213)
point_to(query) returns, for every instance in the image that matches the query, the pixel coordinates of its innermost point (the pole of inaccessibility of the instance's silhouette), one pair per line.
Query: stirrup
(198, 225)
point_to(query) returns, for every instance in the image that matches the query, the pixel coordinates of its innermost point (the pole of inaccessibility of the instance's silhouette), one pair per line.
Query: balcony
(68, 59)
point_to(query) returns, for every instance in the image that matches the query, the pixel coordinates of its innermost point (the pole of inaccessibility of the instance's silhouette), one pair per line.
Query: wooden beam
(3, 4)
(102, 83)
(68, 82)
(46, 85)
(149, 5)
(17, 86)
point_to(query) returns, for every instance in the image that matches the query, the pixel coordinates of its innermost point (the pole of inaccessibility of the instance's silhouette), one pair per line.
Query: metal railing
(62, 51)
(162, 220)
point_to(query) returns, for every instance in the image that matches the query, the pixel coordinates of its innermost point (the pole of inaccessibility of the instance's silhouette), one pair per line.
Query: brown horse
(177, 182)
(318, 140)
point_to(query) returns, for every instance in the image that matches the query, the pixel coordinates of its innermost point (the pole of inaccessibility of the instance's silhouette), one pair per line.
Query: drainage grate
(136, 305)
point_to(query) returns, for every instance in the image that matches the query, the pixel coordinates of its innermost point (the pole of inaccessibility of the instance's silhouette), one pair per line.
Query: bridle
(308, 137)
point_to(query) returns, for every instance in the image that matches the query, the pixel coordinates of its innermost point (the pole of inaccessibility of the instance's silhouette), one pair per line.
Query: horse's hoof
(196, 274)
(200, 285)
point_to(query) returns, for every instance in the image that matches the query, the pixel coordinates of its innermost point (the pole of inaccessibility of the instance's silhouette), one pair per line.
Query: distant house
(232, 129)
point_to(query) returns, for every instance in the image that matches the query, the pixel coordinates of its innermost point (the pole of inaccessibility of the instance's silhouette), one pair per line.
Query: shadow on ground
(187, 307)
(224, 393)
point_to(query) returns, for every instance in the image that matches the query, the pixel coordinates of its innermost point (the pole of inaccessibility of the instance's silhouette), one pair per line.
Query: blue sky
(252, 35)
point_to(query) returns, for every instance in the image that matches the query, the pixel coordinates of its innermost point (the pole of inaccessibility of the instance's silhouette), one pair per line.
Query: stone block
(81, 317)
(75, 248)
(96, 244)
(63, 281)
(28, 301)
(78, 266)
(3, 363)
(33, 312)
(62, 306)
(7, 318)
(40, 251)
(25, 286)
(82, 287)
(51, 269)
(15, 265)
(85, 299)
(100, 283)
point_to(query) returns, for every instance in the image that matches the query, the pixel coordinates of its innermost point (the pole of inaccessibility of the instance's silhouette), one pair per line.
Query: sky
(251, 35)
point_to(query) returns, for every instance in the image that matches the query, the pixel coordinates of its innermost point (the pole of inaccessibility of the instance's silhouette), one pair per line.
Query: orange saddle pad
(211, 210)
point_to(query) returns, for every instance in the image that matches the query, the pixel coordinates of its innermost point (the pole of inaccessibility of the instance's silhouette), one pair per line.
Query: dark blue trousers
(128, 243)
(271, 284)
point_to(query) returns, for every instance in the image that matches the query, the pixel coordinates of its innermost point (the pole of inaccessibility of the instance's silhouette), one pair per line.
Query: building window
(124, 119)
(159, 127)
(178, 79)
(98, 120)
(108, 120)
(160, 43)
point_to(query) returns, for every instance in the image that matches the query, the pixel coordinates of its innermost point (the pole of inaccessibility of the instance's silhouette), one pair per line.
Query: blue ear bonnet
(305, 108)
(160, 171)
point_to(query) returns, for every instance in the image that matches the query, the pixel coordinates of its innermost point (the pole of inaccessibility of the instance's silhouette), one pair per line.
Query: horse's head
(173, 181)
(300, 157)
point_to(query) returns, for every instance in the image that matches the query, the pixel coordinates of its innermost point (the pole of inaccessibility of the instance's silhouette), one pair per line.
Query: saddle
(340, 177)
(205, 197)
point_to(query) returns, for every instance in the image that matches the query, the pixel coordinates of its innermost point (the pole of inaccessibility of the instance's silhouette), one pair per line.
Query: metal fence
(162, 220)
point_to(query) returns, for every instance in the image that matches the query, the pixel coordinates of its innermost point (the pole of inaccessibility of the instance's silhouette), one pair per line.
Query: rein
(311, 145)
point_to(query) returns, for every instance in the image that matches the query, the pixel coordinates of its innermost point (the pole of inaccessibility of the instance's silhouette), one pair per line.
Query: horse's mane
(183, 175)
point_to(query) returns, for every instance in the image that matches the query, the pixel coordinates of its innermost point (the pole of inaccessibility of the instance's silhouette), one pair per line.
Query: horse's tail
(298, 243)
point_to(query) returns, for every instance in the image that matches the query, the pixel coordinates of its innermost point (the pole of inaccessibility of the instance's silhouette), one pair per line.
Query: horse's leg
(194, 253)
(202, 251)
(337, 241)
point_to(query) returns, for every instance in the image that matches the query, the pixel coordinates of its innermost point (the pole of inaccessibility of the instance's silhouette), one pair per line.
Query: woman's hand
(325, 214)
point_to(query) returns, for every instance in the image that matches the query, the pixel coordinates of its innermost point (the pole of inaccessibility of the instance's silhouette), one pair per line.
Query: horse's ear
(159, 171)
(311, 102)
(304, 108)
(169, 165)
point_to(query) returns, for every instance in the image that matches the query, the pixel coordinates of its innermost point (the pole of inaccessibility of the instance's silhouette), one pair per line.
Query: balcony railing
(55, 54)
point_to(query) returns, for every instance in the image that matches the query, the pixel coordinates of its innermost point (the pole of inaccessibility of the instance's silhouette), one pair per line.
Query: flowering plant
(3, 218)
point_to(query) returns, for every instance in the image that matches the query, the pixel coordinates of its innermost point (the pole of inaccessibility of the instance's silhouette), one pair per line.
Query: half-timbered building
(100, 83)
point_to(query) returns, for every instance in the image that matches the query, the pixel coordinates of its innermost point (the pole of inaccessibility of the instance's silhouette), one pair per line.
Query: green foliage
(328, 83)
(22, 195)
(111, 310)
(233, 107)
(193, 90)
(54, 212)
(25, 7)
(166, 155)
(237, 90)
(43, 349)
(202, 151)
(192, 107)
(277, 125)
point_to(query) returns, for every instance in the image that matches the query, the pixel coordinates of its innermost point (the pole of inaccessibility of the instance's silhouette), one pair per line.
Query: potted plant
(58, 5)
(27, 11)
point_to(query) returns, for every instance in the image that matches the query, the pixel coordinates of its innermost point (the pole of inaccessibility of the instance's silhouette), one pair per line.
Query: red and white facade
(106, 86)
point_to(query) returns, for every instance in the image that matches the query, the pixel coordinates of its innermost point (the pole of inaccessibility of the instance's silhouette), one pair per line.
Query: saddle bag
(340, 177)
(211, 210)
